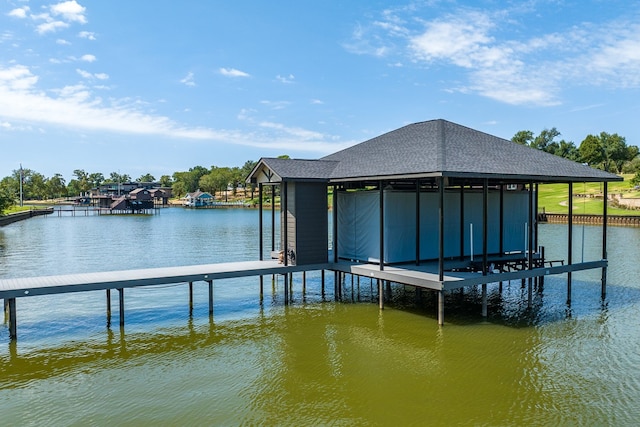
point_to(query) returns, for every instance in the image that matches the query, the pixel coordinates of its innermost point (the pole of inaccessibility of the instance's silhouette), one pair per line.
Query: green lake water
(315, 361)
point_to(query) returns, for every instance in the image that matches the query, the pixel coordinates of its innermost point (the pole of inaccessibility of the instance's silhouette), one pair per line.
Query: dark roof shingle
(438, 147)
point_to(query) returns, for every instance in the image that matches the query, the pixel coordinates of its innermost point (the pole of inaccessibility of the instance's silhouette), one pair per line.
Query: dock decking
(423, 276)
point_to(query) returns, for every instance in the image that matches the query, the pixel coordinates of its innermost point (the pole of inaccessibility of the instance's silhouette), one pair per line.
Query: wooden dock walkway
(424, 276)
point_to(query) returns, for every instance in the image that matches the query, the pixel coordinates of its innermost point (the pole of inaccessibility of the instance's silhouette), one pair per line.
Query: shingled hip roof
(438, 148)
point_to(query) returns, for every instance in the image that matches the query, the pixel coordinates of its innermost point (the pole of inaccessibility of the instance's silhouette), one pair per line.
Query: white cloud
(275, 105)
(62, 42)
(70, 11)
(20, 12)
(316, 102)
(500, 63)
(188, 80)
(84, 74)
(75, 107)
(51, 26)
(232, 72)
(90, 76)
(87, 35)
(299, 133)
(285, 79)
(88, 58)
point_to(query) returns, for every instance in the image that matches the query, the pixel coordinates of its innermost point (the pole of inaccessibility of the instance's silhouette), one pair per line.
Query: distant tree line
(36, 186)
(608, 152)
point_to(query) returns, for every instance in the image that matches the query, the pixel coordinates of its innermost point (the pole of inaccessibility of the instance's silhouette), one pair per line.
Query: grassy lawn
(14, 209)
(553, 198)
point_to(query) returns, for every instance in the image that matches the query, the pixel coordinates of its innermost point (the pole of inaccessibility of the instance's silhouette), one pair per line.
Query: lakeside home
(198, 199)
(431, 205)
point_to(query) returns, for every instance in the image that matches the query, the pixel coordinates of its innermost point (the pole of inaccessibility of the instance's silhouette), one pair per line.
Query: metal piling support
(121, 304)
(210, 282)
(108, 308)
(10, 307)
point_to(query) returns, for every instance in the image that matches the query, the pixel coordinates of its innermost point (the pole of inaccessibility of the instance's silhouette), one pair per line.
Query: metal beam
(485, 224)
(604, 239)
(501, 231)
(441, 228)
(260, 237)
(462, 227)
(417, 222)
(335, 223)
(381, 225)
(285, 219)
(273, 217)
(570, 241)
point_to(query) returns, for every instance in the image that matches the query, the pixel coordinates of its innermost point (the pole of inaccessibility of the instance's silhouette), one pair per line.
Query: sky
(160, 86)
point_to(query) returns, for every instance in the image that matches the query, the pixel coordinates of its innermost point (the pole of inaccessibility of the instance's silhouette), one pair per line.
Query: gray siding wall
(307, 222)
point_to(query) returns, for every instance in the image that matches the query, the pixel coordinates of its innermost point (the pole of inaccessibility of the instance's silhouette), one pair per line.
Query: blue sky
(160, 86)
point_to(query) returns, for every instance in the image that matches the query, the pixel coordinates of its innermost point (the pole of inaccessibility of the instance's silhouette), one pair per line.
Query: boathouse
(433, 204)
(198, 199)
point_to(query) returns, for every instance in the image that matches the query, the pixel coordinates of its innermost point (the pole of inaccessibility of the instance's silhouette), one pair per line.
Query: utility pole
(21, 179)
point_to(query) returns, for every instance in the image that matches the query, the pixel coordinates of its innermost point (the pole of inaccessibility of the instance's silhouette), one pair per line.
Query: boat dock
(424, 276)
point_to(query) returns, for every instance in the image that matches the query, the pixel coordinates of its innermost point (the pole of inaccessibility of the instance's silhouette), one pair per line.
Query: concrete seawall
(19, 216)
(623, 220)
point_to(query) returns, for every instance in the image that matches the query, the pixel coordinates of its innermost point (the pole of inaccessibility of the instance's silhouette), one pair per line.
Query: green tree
(7, 198)
(81, 183)
(565, 149)
(179, 189)
(119, 178)
(190, 180)
(523, 137)
(632, 166)
(56, 186)
(95, 179)
(245, 171)
(592, 151)
(147, 178)
(546, 137)
(608, 152)
(37, 185)
(166, 181)
(11, 184)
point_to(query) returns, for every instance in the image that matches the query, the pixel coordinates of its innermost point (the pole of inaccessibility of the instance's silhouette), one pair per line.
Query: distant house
(197, 199)
(161, 195)
(130, 195)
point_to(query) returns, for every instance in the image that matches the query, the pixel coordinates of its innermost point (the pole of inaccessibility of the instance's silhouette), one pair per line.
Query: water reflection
(313, 361)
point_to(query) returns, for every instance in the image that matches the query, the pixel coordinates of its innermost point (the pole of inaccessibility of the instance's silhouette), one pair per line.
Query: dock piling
(108, 308)
(484, 300)
(13, 321)
(190, 298)
(121, 300)
(441, 307)
(210, 282)
(261, 289)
